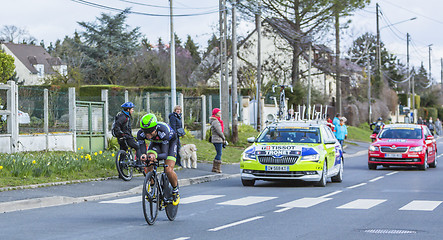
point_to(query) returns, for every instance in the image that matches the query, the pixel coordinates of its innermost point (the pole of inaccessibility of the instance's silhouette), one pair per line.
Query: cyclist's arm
(141, 142)
(119, 122)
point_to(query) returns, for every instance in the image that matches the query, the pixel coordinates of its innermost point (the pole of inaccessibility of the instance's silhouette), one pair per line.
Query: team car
(289, 150)
(403, 145)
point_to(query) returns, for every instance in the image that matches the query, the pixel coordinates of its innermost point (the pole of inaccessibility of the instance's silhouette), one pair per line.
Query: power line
(432, 19)
(165, 7)
(91, 4)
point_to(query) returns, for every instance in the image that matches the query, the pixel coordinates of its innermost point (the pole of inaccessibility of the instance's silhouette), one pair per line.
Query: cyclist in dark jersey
(163, 146)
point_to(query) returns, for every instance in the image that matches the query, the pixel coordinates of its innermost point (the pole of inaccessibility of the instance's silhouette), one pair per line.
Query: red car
(403, 145)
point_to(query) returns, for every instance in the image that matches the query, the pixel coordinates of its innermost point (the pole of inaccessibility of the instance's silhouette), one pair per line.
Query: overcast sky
(50, 20)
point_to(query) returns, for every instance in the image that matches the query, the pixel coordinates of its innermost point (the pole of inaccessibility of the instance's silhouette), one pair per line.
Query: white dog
(188, 154)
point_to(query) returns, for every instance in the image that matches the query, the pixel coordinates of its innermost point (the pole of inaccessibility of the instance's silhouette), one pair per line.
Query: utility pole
(338, 106)
(172, 48)
(413, 99)
(378, 45)
(235, 104)
(309, 81)
(224, 87)
(369, 90)
(258, 94)
(430, 74)
(407, 67)
(441, 73)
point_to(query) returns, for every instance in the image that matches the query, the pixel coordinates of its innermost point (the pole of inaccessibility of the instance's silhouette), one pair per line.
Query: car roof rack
(310, 114)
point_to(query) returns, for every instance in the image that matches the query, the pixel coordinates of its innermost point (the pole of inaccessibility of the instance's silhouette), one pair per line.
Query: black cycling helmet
(380, 119)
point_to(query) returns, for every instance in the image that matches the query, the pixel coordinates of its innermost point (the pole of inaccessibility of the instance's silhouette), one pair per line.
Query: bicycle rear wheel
(122, 163)
(150, 198)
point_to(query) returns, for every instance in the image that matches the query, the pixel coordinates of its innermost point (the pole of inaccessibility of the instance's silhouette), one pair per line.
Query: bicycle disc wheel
(122, 164)
(150, 198)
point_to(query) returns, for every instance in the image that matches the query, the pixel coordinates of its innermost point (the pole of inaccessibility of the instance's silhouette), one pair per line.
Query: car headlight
(249, 156)
(374, 148)
(416, 149)
(311, 158)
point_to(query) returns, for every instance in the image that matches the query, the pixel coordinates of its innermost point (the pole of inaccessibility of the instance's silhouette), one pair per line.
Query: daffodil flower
(1, 167)
(33, 162)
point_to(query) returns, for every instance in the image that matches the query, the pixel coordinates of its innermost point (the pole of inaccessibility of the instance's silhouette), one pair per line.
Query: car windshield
(401, 133)
(290, 135)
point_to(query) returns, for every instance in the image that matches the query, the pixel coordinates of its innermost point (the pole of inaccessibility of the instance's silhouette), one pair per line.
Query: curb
(28, 204)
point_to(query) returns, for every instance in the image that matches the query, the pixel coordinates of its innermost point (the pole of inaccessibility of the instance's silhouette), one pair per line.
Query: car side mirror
(251, 140)
(430, 137)
(329, 141)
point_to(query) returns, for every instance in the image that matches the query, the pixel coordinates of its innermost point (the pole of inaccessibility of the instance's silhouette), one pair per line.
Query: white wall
(37, 142)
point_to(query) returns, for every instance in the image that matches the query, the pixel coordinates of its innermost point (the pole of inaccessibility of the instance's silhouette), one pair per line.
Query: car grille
(286, 160)
(396, 159)
(396, 150)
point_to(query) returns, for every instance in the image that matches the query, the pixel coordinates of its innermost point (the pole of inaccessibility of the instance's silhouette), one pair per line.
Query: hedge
(426, 113)
(402, 98)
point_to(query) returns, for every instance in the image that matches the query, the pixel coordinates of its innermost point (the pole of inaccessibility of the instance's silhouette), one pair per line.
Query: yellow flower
(81, 148)
(81, 156)
(95, 154)
(78, 148)
(100, 152)
(49, 163)
(1, 167)
(67, 162)
(89, 159)
(33, 162)
(113, 155)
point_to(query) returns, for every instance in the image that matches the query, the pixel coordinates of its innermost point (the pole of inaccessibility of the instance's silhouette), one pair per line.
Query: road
(388, 203)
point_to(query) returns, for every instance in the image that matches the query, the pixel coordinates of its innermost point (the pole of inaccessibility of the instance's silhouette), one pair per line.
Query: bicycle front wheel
(122, 163)
(171, 211)
(150, 198)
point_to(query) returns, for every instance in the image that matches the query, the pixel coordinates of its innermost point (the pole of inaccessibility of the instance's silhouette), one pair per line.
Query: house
(33, 63)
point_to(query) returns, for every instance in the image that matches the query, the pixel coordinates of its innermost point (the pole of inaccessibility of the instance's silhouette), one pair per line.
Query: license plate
(277, 168)
(393, 155)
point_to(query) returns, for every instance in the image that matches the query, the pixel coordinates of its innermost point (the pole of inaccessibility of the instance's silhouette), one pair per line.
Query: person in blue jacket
(336, 122)
(341, 132)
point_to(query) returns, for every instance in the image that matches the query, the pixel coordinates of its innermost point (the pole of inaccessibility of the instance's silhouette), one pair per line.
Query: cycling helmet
(148, 123)
(128, 105)
(380, 119)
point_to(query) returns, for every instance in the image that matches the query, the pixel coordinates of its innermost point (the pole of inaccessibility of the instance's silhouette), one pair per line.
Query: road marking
(235, 223)
(418, 205)
(246, 201)
(182, 238)
(282, 210)
(304, 202)
(198, 198)
(362, 204)
(128, 200)
(356, 186)
(391, 173)
(440, 155)
(375, 179)
(331, 194)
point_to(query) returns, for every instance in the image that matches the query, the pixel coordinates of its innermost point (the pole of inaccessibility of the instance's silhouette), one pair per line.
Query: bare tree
(14, 34)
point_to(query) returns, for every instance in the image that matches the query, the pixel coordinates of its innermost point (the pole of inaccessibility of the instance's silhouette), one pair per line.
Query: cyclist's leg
(170, 161)
(134, 145)
(122, 143)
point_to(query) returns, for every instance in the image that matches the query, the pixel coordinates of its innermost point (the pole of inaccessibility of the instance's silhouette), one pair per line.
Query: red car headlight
(374, 148)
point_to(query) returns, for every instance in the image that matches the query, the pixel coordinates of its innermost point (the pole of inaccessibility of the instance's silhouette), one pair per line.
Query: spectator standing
(431, 126)
(420, 120)
(336, 122)
(329, 123)
(217, 138)
(438, 126)
(175, 121)
(341, 132)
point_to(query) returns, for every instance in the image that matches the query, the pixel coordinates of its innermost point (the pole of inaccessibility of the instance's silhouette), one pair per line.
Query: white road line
(304, 202)
(418, 205)
(198, 198)
(182, 238)
(375, 179)
(282, 210)
(440, 155)
(391, 173)
(235, 223)
(246, 201)
(362, 204)
(356, 186)
(124, 200)
(331, 194)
